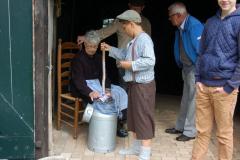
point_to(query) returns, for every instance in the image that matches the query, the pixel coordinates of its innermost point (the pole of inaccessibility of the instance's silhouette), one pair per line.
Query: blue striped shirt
(144, 61)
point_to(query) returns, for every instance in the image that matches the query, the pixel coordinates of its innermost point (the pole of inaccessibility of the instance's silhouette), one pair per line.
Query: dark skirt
(141, 106)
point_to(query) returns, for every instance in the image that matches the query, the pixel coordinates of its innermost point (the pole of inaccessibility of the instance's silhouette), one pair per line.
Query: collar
(87, 56)
(183, 23)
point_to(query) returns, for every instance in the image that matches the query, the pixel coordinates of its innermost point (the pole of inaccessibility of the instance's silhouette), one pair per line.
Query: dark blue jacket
(191, 35)
(219, 62)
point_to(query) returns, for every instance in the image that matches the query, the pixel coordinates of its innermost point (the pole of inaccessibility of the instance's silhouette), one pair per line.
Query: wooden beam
(40, 50)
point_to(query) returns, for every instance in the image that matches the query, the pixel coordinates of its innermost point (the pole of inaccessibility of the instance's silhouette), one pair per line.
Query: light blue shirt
(118, 94)
(181, 28)
(144, 61)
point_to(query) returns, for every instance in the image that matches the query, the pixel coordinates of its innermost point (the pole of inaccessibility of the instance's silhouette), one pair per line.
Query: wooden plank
(67, 115)
(66, 74)
(67, 96)
(68, 106)
(66, 65)
(68, 55)
(40, 43)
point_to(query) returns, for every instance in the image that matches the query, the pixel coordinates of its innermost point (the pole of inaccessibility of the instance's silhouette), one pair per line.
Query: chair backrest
(66, 52)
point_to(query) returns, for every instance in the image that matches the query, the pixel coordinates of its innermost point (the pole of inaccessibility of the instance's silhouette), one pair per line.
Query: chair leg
(59, 114)
(76, 119)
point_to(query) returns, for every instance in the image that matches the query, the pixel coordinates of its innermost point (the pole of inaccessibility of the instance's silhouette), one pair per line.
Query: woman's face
(127, 27)
(90, 48)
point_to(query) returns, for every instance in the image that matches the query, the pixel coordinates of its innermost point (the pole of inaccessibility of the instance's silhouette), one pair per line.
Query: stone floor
(164, 147)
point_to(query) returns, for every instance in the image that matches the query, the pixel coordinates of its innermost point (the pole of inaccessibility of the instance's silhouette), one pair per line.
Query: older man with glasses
(187, 38)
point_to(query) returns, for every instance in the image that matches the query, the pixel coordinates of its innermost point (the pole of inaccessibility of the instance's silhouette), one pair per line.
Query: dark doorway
(79, 16)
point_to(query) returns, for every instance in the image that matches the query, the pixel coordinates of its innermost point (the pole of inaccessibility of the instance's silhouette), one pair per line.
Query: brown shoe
(173, 131)
(184, 138)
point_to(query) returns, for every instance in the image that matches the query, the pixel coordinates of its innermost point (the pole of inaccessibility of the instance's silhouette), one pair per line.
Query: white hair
(92, 37)
(177, 7)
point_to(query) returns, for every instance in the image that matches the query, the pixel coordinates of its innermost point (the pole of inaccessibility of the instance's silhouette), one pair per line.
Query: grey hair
(92, 37)
(177, 7)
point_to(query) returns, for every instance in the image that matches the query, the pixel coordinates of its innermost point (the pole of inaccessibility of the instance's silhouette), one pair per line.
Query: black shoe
(173, 131)
(122, 132)
(184, 138)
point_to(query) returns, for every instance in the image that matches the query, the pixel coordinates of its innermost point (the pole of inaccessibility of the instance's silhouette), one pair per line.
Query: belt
(132, 83)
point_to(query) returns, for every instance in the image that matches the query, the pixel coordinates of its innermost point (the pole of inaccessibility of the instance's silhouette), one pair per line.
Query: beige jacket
(122, 37)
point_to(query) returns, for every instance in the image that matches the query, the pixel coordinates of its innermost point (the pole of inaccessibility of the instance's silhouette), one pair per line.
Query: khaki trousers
(219, 108)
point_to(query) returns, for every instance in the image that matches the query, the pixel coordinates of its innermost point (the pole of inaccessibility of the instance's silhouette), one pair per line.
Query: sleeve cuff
(228, 89)
(112, 52)
(197, 79)
(133, 66)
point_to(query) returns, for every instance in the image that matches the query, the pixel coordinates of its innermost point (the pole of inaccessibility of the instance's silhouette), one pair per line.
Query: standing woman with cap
(138, 60)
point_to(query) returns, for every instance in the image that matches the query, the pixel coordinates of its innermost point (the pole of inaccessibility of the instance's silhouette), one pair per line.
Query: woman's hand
(125, 65)
(200, 86)
(94, 95)
(105, 47)
(219, 90)
(108, 92)
(80, 40)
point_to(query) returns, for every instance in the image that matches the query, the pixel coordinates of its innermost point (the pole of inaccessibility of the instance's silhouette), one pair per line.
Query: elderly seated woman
(86, 77)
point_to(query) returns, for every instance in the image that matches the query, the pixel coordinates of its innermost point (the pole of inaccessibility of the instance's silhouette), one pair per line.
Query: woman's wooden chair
(69, 107)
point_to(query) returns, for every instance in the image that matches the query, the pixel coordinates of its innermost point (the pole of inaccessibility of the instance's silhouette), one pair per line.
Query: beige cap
(130, 15)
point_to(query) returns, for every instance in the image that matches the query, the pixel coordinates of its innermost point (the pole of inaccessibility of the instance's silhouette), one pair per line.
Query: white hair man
(187, 38)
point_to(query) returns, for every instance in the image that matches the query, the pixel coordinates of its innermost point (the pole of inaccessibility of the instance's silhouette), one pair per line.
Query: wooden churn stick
(103, 70)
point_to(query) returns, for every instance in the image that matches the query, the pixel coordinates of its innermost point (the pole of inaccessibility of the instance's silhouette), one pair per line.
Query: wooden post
(104, 70)
(40, 50)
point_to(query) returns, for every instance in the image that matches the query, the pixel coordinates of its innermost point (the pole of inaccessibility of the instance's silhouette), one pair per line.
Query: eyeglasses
(171, 15)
